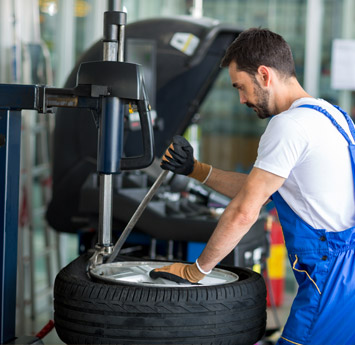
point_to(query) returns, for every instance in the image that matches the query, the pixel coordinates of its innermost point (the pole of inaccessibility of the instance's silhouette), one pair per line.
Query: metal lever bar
(153, 189)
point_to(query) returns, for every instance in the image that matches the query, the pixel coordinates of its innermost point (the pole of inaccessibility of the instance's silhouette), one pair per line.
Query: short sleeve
(282, 146)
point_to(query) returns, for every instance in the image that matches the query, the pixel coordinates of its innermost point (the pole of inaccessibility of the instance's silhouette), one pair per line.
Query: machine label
(185, 42)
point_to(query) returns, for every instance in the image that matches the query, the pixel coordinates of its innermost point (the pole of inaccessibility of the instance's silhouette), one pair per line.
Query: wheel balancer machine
(108, 88)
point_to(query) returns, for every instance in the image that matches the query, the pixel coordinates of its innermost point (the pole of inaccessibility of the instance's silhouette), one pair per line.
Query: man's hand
(179, 273)
(179, 158)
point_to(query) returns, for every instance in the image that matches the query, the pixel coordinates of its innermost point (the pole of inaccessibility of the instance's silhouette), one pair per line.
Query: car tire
(96, 312)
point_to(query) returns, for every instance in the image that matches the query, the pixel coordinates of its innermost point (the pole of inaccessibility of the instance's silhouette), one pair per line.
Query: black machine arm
(139, 162)
(94, 80)
(125, 82)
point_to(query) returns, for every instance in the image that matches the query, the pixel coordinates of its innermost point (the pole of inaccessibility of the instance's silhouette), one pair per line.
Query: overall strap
(348, 120)
(334, 122)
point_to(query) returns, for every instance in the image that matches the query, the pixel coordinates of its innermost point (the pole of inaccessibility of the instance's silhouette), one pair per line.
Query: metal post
(93, 23)
(64, 47)
(121, 43)
(105, 203)
(197, 9)
(10, 139)
(313, 46)
(347, 30)
(110, 140)
(115, 5)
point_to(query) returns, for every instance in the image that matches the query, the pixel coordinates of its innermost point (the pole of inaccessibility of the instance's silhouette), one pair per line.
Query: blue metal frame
(10, 142)
(16, 97)
(13, 99)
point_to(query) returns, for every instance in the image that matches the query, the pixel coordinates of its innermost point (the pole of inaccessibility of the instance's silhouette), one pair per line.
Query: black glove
(179, 157)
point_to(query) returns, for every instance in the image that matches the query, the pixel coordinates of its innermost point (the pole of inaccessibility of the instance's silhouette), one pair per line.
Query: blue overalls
(323, 312)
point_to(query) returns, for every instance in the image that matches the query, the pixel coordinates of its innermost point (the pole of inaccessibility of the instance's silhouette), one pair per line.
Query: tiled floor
(282, 315)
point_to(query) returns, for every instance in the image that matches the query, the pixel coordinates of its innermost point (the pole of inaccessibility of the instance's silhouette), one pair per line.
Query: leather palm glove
(179, 273)
(179, 159)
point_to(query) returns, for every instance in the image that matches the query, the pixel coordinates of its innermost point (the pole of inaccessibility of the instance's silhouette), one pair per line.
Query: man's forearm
(237, 219)
(228, 183)
(239, 216)
(235, 222)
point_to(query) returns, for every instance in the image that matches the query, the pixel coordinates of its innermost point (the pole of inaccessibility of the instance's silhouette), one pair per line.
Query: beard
(261, 107)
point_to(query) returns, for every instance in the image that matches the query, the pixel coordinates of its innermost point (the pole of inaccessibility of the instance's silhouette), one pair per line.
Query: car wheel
(119, 304)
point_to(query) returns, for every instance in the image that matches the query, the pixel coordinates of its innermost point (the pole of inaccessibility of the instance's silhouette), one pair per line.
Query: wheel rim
(137, 273)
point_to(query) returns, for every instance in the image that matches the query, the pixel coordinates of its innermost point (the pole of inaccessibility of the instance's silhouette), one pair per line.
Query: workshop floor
(43, 302)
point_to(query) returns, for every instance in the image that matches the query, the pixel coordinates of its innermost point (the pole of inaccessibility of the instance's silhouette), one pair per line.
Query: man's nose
(242, 98)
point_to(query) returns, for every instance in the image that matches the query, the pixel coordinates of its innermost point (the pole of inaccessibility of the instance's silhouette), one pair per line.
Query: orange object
(276, 261)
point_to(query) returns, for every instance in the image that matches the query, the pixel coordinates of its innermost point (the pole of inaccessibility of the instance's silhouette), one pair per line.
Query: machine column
(10, 143)
(110, 141)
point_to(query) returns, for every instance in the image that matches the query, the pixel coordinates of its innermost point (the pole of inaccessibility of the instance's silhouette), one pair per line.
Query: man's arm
(236, 221)
(228, 183)
(239, 216)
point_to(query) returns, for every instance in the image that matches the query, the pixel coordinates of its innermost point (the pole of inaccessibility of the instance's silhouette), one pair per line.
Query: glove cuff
(192, 273)
(201, 171)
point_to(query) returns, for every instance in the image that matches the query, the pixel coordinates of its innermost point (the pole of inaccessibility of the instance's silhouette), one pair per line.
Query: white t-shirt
(303, 146)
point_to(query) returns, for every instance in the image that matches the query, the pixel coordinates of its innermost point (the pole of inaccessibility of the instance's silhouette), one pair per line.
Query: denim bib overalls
(323, 312)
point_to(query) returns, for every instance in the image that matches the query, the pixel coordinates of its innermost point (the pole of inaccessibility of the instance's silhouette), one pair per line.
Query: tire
(92, 312)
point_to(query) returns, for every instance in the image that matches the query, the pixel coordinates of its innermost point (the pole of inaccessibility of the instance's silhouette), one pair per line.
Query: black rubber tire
(92, 312)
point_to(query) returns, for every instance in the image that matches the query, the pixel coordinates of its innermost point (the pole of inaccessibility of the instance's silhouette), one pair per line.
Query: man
(306, 165)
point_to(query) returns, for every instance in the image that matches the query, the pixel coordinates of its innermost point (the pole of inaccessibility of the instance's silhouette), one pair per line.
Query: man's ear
(264, 74)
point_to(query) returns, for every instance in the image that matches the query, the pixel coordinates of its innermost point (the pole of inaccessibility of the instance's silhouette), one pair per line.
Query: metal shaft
(110, 51)
(121, 43)
(105, 210)
(113, 50)
(105, 201)
(153, 189)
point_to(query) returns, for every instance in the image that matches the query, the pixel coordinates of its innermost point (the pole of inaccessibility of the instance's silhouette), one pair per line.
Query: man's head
(256, 57)
(255, 47)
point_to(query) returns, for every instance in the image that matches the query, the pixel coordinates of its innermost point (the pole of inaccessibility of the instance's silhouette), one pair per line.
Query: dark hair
(255, 47)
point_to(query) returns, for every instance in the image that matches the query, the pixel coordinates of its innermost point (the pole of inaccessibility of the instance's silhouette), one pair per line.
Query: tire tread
(93, 312)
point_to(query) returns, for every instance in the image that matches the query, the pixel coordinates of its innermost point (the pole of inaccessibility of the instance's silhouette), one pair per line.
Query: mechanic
(306, 165)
